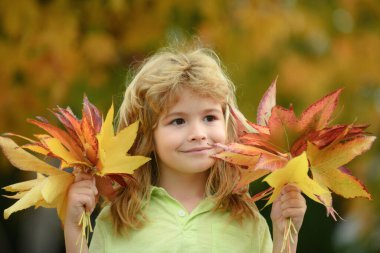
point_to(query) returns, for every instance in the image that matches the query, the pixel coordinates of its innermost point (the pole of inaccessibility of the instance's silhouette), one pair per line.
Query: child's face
(184, 134)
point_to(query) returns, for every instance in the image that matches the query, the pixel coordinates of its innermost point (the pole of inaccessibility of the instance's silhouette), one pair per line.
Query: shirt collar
(204, 206)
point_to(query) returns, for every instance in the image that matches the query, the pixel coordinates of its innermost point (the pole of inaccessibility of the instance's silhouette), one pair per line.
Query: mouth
(197, 150)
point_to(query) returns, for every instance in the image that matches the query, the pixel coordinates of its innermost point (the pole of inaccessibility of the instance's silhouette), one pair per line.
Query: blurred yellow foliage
(53, 51)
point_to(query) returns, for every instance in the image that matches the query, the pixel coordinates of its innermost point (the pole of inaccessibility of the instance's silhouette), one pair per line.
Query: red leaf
(69, 127)
(266, 104)
(92, 113)
(62, 136)
(262, 194)
(262, 141)
(283, 128)
(318, 115)
(89, 135)
(242, 123)
(70, 121)
(326, 136)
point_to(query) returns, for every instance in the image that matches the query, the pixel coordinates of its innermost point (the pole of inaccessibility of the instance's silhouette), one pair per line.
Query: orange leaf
(89, 134)
(238, 159)
(248, 176)
(62, 136)
(326, 163)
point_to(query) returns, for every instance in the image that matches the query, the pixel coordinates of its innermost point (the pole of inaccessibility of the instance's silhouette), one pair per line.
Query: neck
(188, 189)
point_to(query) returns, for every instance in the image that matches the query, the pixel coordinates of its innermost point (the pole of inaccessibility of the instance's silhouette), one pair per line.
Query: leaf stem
(85, 223)
(288, 239)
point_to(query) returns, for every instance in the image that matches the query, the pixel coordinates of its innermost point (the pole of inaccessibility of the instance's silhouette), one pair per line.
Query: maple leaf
(48, 191)
(88, 145)
(295, 172)
(266, 104)
(280, 136)
(326, 165)
(243, 125)
(113, 156)
(285, 128)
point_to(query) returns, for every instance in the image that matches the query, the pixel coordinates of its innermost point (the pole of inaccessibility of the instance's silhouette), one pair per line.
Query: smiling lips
(197, 150)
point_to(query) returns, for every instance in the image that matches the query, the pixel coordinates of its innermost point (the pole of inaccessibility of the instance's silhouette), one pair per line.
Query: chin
(203, 167)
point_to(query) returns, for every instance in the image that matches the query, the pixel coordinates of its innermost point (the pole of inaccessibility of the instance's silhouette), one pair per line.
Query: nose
(197, 132)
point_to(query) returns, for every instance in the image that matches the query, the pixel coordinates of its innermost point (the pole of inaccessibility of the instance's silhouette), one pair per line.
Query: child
(183, 200)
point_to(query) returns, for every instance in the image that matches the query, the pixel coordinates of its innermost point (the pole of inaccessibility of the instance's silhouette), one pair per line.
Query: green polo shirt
(170, 228)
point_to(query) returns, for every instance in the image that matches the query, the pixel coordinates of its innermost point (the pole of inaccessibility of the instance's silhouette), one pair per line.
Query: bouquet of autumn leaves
(87, 145)
(287, 149)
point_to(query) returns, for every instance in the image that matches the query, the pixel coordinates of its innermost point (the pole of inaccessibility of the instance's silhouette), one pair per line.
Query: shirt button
(181, 213)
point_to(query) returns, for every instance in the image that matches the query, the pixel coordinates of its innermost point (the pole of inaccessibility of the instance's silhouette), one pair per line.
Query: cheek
(163, 140)
(223, 137)
(220, 135)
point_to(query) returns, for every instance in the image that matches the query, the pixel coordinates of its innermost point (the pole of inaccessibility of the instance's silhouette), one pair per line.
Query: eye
(177, 122)
(210, 118)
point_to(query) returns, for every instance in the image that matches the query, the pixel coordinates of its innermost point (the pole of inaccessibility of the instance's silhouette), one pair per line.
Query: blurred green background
(52, 52)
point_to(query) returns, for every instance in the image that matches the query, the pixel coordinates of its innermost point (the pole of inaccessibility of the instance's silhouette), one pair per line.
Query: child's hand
(291, 204)
(81, 197)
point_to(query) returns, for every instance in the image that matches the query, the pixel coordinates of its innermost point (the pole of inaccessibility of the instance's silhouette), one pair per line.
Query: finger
(84, 191)
(88, 202)
(293, 203)
(94, 188)
(86, 184)
(82, 176)
(293, 213)
(290, 188)
(291, 195)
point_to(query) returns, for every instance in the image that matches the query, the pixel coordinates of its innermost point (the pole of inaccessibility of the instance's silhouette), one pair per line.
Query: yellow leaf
(24, 160)
(113, 155)
(326, 166)
(49, 192)
(55, 186)
(22, 186)
(56, 147)
(295, 172)
(46, 191)
(123, 165)
(29, 199)
(107, 131)
(39, 175)
(61, 207)
(41, 136)
(128, 135)
(18, 195)
(36, 148)
(43, 203)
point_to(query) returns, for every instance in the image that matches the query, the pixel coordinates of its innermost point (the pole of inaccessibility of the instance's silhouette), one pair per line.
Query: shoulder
(105, 213)
(104, 219)
(103, 227)
(258, 221)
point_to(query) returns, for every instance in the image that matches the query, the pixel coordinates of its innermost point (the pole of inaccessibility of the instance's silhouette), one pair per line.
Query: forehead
(188, 100)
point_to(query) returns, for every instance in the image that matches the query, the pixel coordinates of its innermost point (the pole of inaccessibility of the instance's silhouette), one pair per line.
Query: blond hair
(152, 91)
